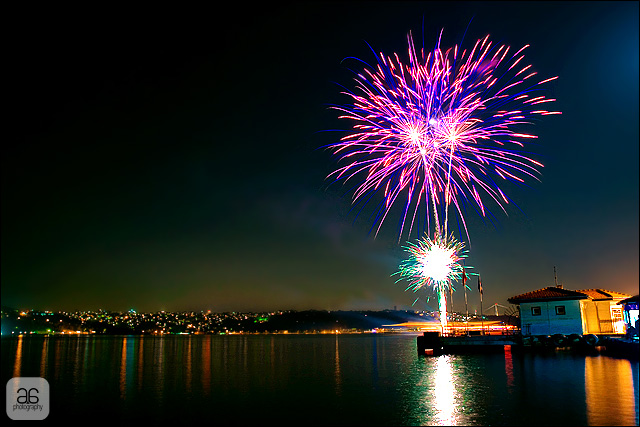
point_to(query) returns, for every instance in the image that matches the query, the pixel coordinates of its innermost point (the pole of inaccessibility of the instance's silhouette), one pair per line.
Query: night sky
(171, 159)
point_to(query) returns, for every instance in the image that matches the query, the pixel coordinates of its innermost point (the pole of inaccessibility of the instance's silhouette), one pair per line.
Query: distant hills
(104, 322)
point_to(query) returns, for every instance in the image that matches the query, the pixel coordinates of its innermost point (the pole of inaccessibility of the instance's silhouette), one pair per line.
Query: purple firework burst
(441, 129)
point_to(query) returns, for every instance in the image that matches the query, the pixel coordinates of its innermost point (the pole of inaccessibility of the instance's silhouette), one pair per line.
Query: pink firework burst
(441, 129)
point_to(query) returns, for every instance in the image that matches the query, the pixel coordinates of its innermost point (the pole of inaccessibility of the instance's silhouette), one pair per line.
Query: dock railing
(455, 329)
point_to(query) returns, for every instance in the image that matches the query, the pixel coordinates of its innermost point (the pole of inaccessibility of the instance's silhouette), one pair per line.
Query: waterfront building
(555, 310)
(630, 316)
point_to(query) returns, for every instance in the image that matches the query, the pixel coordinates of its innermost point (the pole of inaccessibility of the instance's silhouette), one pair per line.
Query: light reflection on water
(445, 391)
(326, 380)
(508, 366)
(337, 370)
(599, 374)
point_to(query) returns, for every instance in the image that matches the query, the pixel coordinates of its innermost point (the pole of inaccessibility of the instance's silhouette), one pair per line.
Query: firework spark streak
(433, 263)
(440, 130)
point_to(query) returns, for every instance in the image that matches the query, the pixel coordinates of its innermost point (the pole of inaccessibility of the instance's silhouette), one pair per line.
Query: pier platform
(434, 344)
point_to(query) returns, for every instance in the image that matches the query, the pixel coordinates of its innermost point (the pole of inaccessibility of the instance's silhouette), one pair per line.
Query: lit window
(536, 311)
(616, 314)
(560, 311)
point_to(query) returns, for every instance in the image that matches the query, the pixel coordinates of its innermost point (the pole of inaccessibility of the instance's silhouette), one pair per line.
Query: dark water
(364, 379)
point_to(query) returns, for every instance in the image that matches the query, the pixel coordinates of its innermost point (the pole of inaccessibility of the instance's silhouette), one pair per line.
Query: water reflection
(140, 360)
(337, 369)
(245, 353)
(18, 363)
(444, 391)
(158, 359)
(374, 362)
(126, 365)
(188, 366)
(206, 365)
(123, 369)
(508, 366)
(438, 391)
(43, 358)
(609, 392)
(85, 352)
(77, 362)
(57, 359)
(273, 357)
(358, 380)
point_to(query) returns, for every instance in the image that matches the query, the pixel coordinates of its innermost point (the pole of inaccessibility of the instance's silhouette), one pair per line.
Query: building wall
(597, 317)
(549, 321)
(631, 316)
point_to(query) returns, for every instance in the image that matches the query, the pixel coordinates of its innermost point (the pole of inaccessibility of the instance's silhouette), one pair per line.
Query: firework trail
(440, 130)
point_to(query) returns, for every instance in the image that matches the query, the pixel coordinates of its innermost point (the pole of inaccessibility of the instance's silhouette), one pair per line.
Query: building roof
(632, 299)
(603, 294)
(549, 293)
(553, 293)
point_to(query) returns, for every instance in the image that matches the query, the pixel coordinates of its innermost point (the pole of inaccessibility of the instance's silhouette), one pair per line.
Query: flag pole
(481, 318)
(466, 306)
(451, 310)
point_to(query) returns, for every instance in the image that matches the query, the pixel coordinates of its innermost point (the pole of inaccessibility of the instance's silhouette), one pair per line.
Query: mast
(555, 278)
